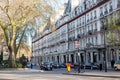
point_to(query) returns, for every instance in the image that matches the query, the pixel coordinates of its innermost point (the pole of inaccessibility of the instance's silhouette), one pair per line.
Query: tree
(1, 45)
(113, 37)
(1, 57)
(17, 17)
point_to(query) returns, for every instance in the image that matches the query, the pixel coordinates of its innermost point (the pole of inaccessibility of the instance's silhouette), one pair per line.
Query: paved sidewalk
(96, 73)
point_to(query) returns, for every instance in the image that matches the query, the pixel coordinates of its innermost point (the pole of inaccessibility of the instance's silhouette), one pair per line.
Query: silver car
(28, 64)
(117, 65)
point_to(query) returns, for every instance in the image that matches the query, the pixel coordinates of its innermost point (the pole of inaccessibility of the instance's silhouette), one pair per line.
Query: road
(55, 74)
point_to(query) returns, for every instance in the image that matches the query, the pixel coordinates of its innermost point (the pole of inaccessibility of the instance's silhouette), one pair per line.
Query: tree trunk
(12, 61)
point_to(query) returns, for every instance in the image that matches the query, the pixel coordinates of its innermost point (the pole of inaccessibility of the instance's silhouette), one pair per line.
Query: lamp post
(105, 53)
(104, 34)
(78, 61)
(77, 46)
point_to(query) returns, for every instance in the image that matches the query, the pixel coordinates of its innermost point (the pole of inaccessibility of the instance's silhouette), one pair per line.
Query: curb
(88, 75)
(6, 69)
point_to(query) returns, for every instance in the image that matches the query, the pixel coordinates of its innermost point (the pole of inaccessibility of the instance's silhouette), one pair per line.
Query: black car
(56, 64)
(81, 64)
(46, 66)
(63, 65)
(92, 66)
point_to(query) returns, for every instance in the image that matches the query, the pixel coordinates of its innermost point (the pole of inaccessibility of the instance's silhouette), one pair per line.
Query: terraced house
(80, 33)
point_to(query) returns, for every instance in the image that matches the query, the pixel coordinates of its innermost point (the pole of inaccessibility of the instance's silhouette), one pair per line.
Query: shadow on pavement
(87, 75)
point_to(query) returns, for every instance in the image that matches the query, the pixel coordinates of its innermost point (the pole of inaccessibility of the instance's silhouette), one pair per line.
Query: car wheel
(116, 68)
(50, 68)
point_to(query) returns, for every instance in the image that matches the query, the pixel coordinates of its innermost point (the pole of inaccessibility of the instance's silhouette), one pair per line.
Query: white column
(86, 61)
(61, 58)
(91, 56)
(75, 58)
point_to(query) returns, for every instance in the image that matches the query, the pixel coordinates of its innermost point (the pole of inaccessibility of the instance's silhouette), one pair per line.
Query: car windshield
(118, 62)
(28, 62)
(47, 63)
(55, 62)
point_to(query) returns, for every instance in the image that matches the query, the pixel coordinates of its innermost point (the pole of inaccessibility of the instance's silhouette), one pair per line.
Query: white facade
(85, 25)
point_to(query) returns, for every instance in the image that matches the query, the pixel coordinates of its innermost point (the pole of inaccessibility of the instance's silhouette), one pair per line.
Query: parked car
(41, 66)
(117, 65)
(63, 65)
(28, 65)
(71, 64)
(46, 66)
(81, 64)
(56, 64)
(94, 66)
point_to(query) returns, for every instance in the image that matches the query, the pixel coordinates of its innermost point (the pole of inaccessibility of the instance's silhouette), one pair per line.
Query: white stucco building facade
(79, 33)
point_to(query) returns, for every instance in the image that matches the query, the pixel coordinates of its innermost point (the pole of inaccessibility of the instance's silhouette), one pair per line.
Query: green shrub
(19, 65)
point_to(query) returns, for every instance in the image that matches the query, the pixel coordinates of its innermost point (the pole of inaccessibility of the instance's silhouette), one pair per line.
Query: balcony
(89, 44)
(103, 27)
(71, 38)
(79, 36)
(62, 41)
(95, 30)
(90, 32)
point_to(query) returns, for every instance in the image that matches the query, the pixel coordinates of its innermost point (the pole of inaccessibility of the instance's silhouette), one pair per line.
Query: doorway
(58, 59)
(72, 58)
(64, 56)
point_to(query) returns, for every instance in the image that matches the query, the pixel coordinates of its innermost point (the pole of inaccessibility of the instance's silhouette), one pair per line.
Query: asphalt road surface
(55, 74)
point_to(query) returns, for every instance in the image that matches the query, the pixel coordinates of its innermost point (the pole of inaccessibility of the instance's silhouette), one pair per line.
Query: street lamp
(104, 29)
(78, 62)
(77, 43)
